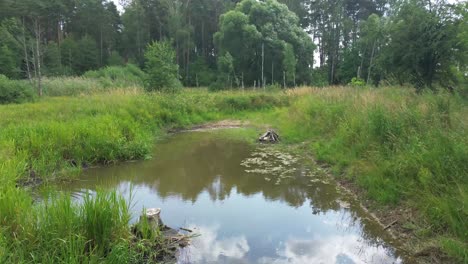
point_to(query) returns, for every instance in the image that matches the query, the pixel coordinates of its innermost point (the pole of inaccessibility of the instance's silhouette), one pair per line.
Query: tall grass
(12, 91)
(397, 146)
(61, 231)
(54, 136)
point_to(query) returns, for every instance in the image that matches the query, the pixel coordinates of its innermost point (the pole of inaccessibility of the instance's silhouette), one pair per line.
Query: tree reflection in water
(245, 217)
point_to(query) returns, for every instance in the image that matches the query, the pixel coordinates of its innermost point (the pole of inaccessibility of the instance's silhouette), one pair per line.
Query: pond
(249, 203)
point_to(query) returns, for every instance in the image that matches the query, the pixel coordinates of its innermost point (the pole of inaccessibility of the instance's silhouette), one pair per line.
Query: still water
(250, 203)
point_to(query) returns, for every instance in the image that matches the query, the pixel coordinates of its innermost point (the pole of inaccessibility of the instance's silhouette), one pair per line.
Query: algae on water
(268, 160)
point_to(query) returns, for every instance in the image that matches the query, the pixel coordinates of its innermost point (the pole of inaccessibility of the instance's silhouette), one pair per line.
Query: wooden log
(269, 136)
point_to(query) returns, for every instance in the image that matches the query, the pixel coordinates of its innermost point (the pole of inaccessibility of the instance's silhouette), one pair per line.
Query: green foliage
(319, 77)
(399, 148)
(14, 91)
(128, 78)
(105, 219)
(10, 52)
(226, 73)
(52, 60)
(7, 62)
(355, 81)
(121, 76)
(289, 64)
(86, 55)
(351, 66)
(46, 136)
(423, 59)
(61, 231)
(201, 74)
(161, 67)
(69, 55)
(115, 59)
(268, 24)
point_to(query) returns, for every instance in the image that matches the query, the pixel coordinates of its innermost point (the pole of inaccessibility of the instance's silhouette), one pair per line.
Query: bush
(161, 67)
(356, 81)
(12, 91)
(319, 77)
(129, 75)
(216, 86)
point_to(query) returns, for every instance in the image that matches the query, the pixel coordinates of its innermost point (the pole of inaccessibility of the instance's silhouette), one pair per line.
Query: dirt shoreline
(223, 124)
(396, 221)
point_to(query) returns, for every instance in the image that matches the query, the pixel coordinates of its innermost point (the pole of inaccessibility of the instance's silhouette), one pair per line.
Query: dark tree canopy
(369, 40)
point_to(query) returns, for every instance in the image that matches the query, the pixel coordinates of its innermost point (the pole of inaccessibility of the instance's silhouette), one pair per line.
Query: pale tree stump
(153, 216)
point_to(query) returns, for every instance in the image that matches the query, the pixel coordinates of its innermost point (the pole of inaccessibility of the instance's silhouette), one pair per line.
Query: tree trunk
(284, 79)
(294, 79)
(242, 82)
(26, 57)
(203, 38)
(59, 41)
(362, 62)
(370, 63)
(37, 31)
(272, 72)
(100, 46)
(263, 60)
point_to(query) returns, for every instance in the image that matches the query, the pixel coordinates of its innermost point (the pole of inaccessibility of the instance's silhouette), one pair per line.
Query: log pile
(270, 137)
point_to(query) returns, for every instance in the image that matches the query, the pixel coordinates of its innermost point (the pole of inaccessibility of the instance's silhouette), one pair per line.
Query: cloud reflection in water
(333, 249)
(210, 248)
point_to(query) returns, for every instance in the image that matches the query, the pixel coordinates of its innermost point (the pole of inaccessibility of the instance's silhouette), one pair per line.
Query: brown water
(249, 203)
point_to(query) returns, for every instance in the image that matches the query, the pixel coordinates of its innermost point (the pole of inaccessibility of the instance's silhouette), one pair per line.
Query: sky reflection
(242, 217)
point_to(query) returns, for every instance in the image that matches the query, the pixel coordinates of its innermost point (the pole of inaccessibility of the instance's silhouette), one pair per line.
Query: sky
(120, 8)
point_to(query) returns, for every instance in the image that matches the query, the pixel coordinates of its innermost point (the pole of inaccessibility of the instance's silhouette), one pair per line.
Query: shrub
(161, 67)
(356, 81)
(12, 91)
(129, 75)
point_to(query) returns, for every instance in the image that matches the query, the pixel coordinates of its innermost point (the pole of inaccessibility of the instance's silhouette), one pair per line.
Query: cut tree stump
(153, 216)
(270, 136)
(172, 237)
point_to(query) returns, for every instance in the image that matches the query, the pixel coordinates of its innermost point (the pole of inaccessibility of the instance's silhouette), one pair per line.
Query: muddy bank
(223, 124)
(400, 222)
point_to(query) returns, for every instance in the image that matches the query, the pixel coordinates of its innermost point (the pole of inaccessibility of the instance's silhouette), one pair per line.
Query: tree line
(230, 43)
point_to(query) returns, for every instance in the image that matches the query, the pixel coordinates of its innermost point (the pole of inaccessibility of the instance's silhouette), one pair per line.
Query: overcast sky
(120, 8)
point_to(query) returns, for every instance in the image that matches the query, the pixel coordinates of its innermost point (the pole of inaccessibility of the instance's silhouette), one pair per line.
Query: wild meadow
(94, 83)
(400, 149)
(52, 138)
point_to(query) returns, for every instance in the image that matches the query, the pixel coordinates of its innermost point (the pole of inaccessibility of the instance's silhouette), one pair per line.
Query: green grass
(49, 137)
(400, 148)
(59, 230)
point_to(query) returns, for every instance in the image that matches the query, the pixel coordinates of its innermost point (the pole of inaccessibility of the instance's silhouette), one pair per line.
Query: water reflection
(332, 249)
(212, 248)
(199, 182)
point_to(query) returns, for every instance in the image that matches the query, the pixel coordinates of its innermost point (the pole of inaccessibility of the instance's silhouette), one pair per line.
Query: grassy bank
(55, 136)
(400, 149)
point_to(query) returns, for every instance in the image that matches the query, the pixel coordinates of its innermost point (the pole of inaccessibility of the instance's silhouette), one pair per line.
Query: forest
(253, 43)
(370, 95)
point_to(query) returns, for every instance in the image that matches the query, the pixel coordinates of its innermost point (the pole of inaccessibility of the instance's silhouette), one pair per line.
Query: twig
(390, 225)
(186, 229)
